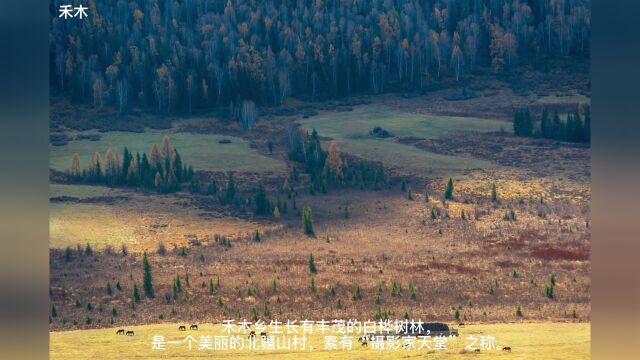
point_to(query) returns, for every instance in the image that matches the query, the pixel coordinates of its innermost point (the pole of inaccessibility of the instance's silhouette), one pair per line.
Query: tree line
(182, 56)
(162, 170)
(576, 127)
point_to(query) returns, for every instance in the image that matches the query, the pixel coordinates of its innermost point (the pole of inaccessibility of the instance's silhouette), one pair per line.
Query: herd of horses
(263, 336)
(504, 348)
(252, 334)
(180, 328)
(363, 340)
(122, 332)
(184, 328)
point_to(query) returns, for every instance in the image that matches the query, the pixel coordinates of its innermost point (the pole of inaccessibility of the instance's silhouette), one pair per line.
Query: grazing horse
(506, 348)
(182, 328)
(363, 340)
(129, 332)
(120, 332)
(252, 335)
(461, 325)
(476, 350)
(193, 327)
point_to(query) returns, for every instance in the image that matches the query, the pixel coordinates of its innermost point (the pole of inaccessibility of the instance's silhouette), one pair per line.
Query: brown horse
(476, 350)
(506, 348)
(120, 332)
(130, 333)
(193, 327)
(182, 328)
(252, 335)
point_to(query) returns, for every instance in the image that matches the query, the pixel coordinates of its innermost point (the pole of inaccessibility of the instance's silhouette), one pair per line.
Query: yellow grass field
(140, 222)
(528, 341)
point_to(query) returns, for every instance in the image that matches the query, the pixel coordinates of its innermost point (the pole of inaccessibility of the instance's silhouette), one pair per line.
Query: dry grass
(516, 184)
(387, 238)
(139, 221)
(527, 340)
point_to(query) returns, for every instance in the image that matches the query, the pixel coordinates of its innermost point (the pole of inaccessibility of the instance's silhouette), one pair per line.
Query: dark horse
(130, 333)
(193, 327)
(120, 332)
(182, 328)
(506, 348)
(252, 335)
(363, 340)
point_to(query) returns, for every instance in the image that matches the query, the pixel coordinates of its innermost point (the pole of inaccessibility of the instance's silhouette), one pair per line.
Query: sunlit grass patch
(139, 222)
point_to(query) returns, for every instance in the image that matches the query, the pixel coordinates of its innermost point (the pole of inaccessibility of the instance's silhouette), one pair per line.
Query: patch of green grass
(202, 151)
(527, 340)
(77, 191)
(351, 131)
(357, 123)
(409, 159)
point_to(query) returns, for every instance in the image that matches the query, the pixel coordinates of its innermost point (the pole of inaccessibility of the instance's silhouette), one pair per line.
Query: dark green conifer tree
(147, 282)
(448, 193)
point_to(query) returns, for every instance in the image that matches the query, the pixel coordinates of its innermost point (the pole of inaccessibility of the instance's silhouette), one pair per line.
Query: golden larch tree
(110, 163)
(75, 165)
(333, 164)
(155, 158)
(167, 150)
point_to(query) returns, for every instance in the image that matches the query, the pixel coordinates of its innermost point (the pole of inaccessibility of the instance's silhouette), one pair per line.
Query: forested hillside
(179, 56)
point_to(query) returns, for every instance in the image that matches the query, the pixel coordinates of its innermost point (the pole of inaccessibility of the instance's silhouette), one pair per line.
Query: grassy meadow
(78, 191)
(527, 340)
(202, 151)
(351, 132)
(357, 123)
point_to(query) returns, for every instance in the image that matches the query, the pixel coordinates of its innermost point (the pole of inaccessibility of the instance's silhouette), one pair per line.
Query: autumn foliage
(182, 56)
(162, 170)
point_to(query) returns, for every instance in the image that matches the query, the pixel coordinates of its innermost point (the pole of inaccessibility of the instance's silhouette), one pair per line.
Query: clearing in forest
(351, 130)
